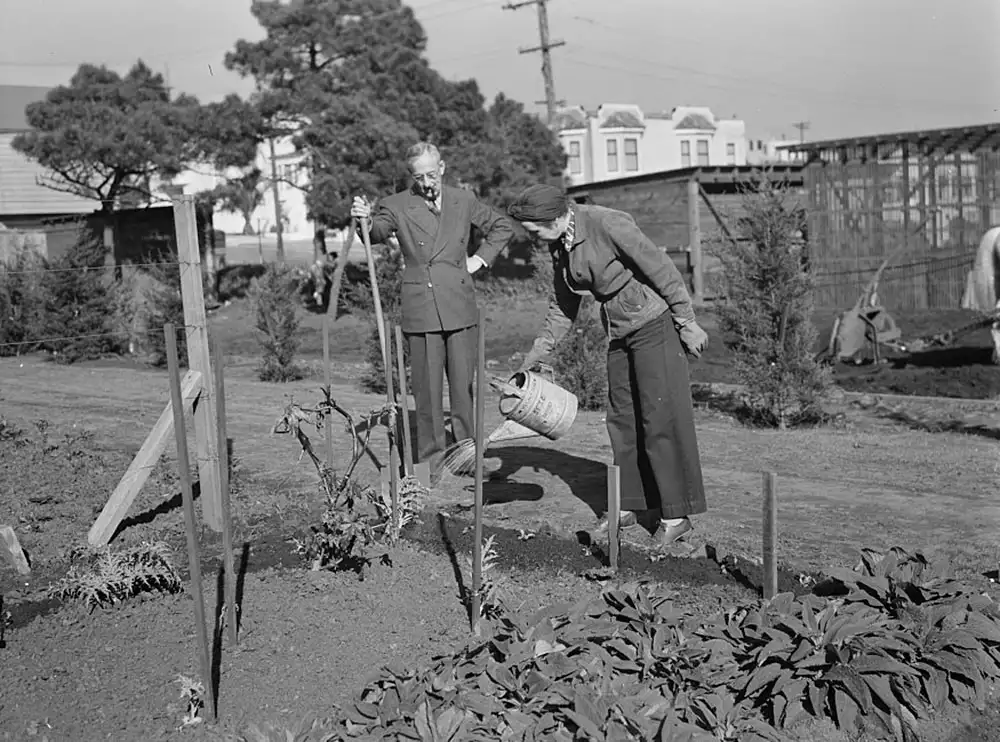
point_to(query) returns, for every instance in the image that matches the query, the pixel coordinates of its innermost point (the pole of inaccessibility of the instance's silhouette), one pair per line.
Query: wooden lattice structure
(924, 197)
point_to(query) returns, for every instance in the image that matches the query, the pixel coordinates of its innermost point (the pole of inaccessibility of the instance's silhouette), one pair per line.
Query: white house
(290, 175)
(620, 140)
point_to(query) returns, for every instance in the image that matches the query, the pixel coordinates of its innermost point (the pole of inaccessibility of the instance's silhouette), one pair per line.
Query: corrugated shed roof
(13, 100)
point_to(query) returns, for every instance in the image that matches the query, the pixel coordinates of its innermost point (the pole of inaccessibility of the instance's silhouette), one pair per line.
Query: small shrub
(580, 360)
(164, 305)
(81, 305)
(389, 272)
(765, 312)
(110, 577)
(22, 302)
(276, 319)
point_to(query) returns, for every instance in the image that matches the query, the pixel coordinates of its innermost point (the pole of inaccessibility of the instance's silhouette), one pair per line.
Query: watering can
(533, 405)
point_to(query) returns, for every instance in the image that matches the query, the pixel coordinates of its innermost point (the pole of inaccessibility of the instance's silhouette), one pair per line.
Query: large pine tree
(351, 79)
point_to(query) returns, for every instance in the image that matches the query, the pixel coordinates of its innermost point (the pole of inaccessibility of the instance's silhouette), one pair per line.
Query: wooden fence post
(199, 359)
(694, 241)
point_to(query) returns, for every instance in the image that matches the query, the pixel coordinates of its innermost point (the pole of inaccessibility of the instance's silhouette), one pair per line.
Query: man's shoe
(626, 519)
(668, 534)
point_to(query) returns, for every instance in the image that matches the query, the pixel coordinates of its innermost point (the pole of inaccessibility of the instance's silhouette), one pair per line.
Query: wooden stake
(199, 359)
(477, 546)
(184, 471)
(390, 398)
(218, 367)
(614, 514)
(13, 551)
(770, 535)
(404, 406)
(328, 376)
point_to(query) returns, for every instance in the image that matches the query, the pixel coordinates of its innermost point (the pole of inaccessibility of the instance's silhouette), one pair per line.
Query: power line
(544, 47)
(778, 88)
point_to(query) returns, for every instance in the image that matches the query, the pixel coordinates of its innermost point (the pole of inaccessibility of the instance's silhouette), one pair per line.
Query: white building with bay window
(621, 140)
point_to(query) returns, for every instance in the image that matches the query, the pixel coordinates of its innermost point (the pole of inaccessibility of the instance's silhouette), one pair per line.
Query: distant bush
(580, 361)
(389, 271)
(22, 302)
(765, 310)
(163, 305)
(80, 307)
(273, 298)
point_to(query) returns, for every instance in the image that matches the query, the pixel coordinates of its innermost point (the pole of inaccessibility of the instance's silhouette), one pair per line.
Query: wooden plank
(694, 242)
(199, 359)
(13, 551)
(138, 471)
(770, 535)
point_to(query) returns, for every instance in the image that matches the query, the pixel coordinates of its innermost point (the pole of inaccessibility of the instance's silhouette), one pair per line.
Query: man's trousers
(432, 355)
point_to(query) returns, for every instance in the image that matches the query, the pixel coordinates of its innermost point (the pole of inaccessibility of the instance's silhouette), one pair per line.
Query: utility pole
(801, 126)
(280, 245)
(544, 46)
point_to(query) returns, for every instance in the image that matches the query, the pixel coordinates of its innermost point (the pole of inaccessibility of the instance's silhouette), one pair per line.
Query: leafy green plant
(111, 576)
(316, 730)
(874, 649)
(349, 533)
(276, 320)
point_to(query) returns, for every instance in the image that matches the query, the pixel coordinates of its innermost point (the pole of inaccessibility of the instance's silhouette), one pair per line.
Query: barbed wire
(118, 266)
(130, 334)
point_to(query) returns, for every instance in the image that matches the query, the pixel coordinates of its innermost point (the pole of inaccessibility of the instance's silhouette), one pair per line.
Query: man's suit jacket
(438, 293)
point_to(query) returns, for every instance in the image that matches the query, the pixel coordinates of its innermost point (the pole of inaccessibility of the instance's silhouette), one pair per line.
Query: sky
(848, 67)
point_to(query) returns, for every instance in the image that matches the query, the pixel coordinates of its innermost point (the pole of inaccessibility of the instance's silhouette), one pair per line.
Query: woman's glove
(693, 338)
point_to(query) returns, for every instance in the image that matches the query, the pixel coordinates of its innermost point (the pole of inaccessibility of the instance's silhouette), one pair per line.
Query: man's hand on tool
(361, 208)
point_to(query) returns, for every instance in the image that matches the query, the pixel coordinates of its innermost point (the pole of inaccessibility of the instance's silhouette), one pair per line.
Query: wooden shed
(679, 209)
(925, 198)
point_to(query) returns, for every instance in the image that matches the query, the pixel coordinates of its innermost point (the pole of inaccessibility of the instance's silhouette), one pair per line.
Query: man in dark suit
(433, 224)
